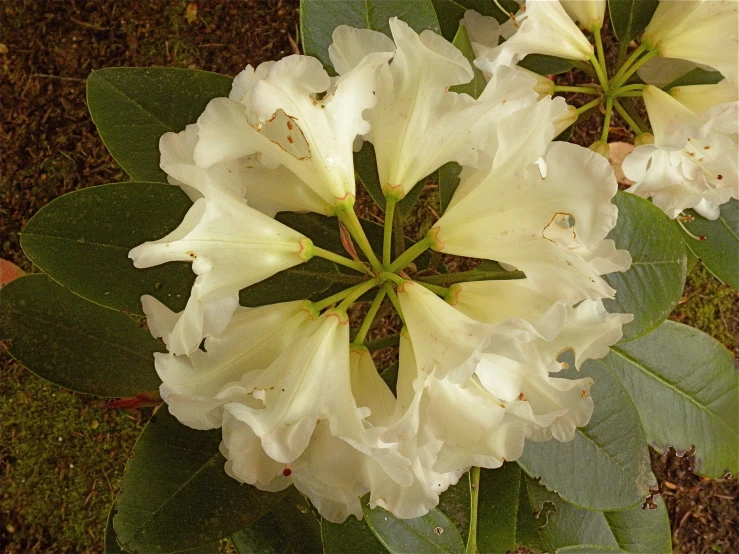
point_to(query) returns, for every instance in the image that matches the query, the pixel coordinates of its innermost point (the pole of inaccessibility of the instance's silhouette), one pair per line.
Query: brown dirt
(50, 147)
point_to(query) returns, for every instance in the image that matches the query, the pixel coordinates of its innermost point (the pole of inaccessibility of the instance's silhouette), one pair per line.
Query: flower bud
(644, 138)
(600, 147)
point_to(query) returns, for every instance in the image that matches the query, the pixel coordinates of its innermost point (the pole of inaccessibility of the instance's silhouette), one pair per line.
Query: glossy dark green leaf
(299, 522)
(431, 533)
(546, 65)
(176, 494)
(448, 183)
(497, 509)
(697, 76)
(686, 391)
(352, 536)
(651, 288)
(365, 167)
(606, 466)
(82, 240)
(630, 17)
(319, 18)
(720, 251)
(263, 537)
(74, 343)
(133, 106)
(564, 527)
(455, 504)
(475, 87)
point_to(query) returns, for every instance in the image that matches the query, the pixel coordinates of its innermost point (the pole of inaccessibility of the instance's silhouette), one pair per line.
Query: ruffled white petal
(545, 226)
(701, 31)
(350, 46)
(543, 28)
(231, 246)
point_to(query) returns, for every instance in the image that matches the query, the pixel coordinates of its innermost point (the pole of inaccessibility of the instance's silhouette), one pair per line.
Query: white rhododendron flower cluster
(300, 403)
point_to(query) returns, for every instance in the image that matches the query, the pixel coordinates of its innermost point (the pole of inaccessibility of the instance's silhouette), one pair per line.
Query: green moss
(62, 461)
(711, 306)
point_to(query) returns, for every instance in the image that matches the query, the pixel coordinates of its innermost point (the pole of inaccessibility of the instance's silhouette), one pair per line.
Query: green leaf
(448, 183)
(564, 527)
(298, 522)
(82, 240)
(365, 167)
(455, 504)
(319, 18)
(606, 466)
(686, 392)
(74, 343)
(351, 536)
(475, 87)
(497, 509)
(697, 76)
(450, 12)
(651, 288)
(431, 533)
(630, 17)
(176, 494)
(546, 65)
(263, 537)
(133, 106)
(720, 251)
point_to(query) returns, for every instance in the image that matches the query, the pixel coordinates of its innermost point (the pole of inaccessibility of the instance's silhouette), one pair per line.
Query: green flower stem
(607, 120)
(633, 93)
(586, 107)
(474, 495)
(411, 254)
(356, 292)
(627, 117)
(341, 260)
(367, 323)
(398, 235)
(584, 90)
(436, 289)
(351, 221)
(447, 279)
(388, 231)
(628, 88)
(599, 50)
(602, 79)
(334, 298)
(628, 106)
(393, 296)
(388, 276)
(384, 342)
(631, 59)
(618, 81)
(582, 66)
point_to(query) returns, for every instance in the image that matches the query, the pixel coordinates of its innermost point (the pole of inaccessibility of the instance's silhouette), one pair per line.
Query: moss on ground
(62, 462)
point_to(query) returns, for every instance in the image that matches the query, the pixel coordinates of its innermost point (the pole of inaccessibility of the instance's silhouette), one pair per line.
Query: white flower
(544, 27)
(274, 111)
(702, 31)
(550, 224)
(693, 161)
(417, 124)
(699, 98)
(589, 13)
(267, 190)
(231, 246)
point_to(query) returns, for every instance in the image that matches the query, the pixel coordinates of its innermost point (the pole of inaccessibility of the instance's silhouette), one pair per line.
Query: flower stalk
(351, 221)
(341, 260)
(411, 254)
(388, 230)
(371, 313)
(474, 495)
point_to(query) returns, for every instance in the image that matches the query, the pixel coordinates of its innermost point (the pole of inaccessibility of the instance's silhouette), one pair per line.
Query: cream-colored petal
(589, 13)
(350, 46)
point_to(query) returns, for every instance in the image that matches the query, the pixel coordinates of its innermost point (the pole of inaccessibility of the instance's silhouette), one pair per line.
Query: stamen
(680, 220)
(287, 471)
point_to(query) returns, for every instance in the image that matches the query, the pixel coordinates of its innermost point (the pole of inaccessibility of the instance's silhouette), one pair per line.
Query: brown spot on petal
(584, 393)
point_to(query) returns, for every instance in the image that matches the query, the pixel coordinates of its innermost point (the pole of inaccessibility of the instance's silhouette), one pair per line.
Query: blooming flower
(693, 161)
(702, 31)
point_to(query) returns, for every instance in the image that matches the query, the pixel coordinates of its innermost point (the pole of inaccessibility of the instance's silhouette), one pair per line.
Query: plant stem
(631, 59)
(367, 323)
(586, 107)
(474, 495)
(607, 120)
(398, 236)
(599, 50)
(648, 56)
(387, 236)
(351, 221)
(341, 260)
(436, 289)
(584, 90)
(623, 47)
(388, 276)
(334, 298)
(384, 342)
(472, 275)
(396, 302)
(629, 108)
(627, 117)
(628, 88)
(582, 66)
(357, 291)
(411, 254)
(602, 79)
(633, 93)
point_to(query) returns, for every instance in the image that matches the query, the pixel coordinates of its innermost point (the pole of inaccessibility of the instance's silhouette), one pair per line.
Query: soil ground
(61, 455)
